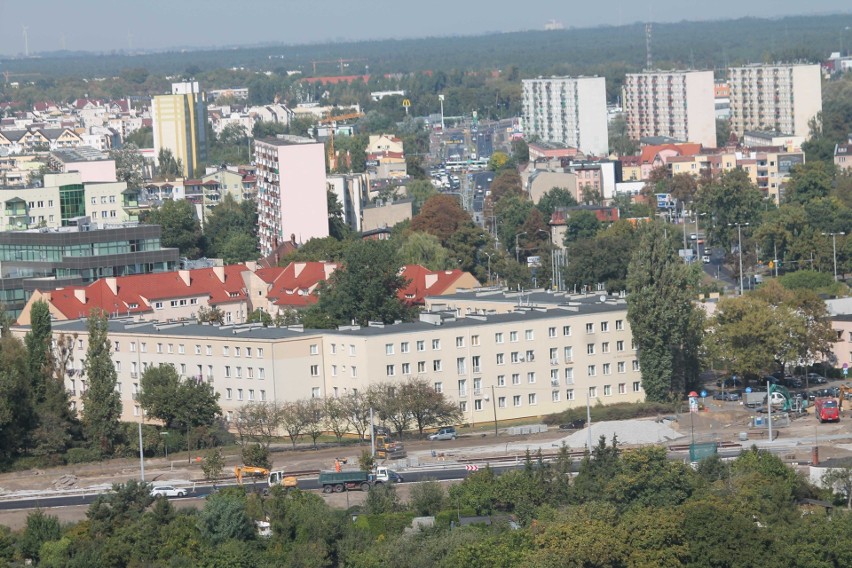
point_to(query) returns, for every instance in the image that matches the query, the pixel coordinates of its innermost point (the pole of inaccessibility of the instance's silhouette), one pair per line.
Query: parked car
(705, 259)
(726, 396)
(792, 382)
(730, 382)
(448, 433)
(816, 379)
(167, 491)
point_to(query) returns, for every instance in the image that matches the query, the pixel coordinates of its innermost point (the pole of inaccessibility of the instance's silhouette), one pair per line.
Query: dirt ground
(722, 421)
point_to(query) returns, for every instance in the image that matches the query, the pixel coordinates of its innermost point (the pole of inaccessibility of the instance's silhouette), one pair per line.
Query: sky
(106, 25)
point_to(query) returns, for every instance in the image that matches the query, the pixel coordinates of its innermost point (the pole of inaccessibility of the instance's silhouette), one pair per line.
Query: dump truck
(338, 481)
(826, 410)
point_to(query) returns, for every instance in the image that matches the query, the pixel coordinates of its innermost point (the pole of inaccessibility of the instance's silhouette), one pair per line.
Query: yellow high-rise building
(179, 121)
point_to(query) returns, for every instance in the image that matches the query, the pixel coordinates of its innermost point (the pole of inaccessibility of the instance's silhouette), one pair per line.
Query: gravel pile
(628, 432)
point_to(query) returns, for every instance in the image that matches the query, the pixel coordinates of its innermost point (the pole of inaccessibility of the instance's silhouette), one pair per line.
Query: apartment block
(782, 97)
(180, 121)
(675, 104)
(291, 191)
(567, 110)
(531, 362)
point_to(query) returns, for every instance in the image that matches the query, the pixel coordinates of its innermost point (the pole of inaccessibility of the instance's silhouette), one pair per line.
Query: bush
(427, 498)
(257, 456)
(82, 455)
(36, 462)
(384, 524)
(620, 411)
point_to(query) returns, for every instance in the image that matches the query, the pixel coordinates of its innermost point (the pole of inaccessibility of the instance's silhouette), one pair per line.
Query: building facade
(291, 191)
(180, 121)
(569, 111)
(531, 362)
(675, 104)
(783, 98)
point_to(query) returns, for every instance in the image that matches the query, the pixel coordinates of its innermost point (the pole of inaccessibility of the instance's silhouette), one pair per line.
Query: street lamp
(489, 266)
(494, 405)
(517, 256)
(552, 258)
(165, 436)
(834, 246)
(740, 247)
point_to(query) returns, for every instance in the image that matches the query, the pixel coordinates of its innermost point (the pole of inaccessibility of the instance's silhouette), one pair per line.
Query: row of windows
(353, 370)
(181, 349)
(230, 372)
(555, 396)
(229, 394)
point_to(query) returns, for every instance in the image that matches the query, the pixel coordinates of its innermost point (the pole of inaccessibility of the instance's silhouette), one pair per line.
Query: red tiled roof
(649, 153)
(294, 285)
(423, 282)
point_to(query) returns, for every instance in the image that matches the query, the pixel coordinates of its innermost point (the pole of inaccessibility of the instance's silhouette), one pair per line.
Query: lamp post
(834, 247)
(165, 436)
(740, 247)
(517, 255)
(552, 264)
(494, 405)
(489, 266)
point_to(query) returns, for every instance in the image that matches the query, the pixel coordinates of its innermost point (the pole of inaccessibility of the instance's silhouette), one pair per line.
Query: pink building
(291, 191)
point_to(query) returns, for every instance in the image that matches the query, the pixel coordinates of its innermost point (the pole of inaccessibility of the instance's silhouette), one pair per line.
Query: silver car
(167, 491)
(448, 433)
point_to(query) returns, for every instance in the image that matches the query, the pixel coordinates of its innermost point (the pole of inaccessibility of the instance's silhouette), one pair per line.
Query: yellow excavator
(845, 391)
(273, 478)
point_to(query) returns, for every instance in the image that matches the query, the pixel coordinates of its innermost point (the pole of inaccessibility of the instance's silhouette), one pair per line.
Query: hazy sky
(103, 25)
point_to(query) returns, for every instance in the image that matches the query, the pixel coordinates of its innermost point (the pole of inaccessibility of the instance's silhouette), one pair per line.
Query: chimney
(184, 275)
(80, 294)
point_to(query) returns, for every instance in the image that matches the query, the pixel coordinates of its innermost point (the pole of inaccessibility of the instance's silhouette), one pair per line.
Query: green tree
(224, 518)
(520, 151)
(507, 182)
(425, 405)
(441, 215)
(213, 464)
(38, 344)
(17, 416)
(102, 402)
(427, 498)
(423, 249)
(667, 326)
(581, 224)
(619, 141)
(420, 190)
(337, 226)
(382, 499)
(230, 230)
(141, 137)
(167, 165)
(181, 228)
(729, 200)
(554, 198)
(40, 528)
(808, 182)
(128, 165)
(365, 288)
(179, 403)
(723, 132)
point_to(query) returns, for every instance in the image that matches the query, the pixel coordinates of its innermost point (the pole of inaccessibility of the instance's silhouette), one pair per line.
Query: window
(607, 369)
(590, 328)
(239, 394)
(159, 348)
(117, 346)
(513, 357)
(619, 345)
(607, 390)
(421, 345)
(236, 351)
(590, 349)
(591, 371)
(251, 394)
(248, 351)
(388, 348)
(554, 356)
(209, 350)
(593, 392)
(531, 377)
(635, 365)
(554, 396)
(406, 368)
(463, 387)
(528, 335)
(334, 370)
(474, 360)
(421, 366)
(554, 377)
(530, 355)
(569, 394)
(605, 347)
(351, 350)
(333, 349)
(262, 395)
(198, 350)
(143, 347)
(604, 326)
(636, 386)
(551, 332)
(439, 387)
(622, 388)
(531, 398)
(436, 344)
(403, 347)
(513, 336)
(619, 325)
(260, 352)
(463, 406)
(501, 380)
(460, 341)
(474, 340)
(516, 400)
(314, 370)
(501, 402)
(315, 392)
(477, 404)
(568, 354)
(133, 347)
(226, 351)
(239, 372)
(621, 366)
(314, 349)
(461, 366)
(498, 338)
(229, 394)
(516, 378)
(566, 330)
(390, 370)
(436, 365)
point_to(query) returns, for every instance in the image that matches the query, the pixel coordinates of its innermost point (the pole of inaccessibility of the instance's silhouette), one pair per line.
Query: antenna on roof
(649, 60)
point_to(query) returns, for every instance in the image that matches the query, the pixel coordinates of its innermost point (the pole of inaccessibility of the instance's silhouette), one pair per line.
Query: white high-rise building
(180, 125)
(676, 104)
(783, 98)
(569, 111)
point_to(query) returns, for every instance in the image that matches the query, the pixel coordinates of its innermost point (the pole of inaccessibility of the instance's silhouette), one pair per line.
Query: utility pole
(494, 404)
(834, 250)
(740, 247)
(26, 42)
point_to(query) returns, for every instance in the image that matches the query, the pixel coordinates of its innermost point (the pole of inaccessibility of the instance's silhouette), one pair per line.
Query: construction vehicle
(826, 409)
(338, 481)
(389, 449)
(778, 399)
(273, 478)
(844, 393)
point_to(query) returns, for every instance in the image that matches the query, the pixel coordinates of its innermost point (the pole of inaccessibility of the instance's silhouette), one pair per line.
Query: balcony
(134, 375)
(477, 392)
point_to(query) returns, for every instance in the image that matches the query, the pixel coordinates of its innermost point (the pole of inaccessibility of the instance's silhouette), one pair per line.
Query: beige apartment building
(783, 97)
(518, 364)
(676, 104)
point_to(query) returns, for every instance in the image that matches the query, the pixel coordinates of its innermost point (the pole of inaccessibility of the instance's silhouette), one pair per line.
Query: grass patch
(601, 413)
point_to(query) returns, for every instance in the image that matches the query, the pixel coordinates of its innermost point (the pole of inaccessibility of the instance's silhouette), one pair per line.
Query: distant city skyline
(101, 25)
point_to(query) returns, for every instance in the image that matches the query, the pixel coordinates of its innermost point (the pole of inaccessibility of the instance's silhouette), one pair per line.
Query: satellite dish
(603, 298)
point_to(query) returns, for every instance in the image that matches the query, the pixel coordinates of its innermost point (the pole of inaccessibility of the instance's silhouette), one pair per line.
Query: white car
(706, 259)
(167, 491)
